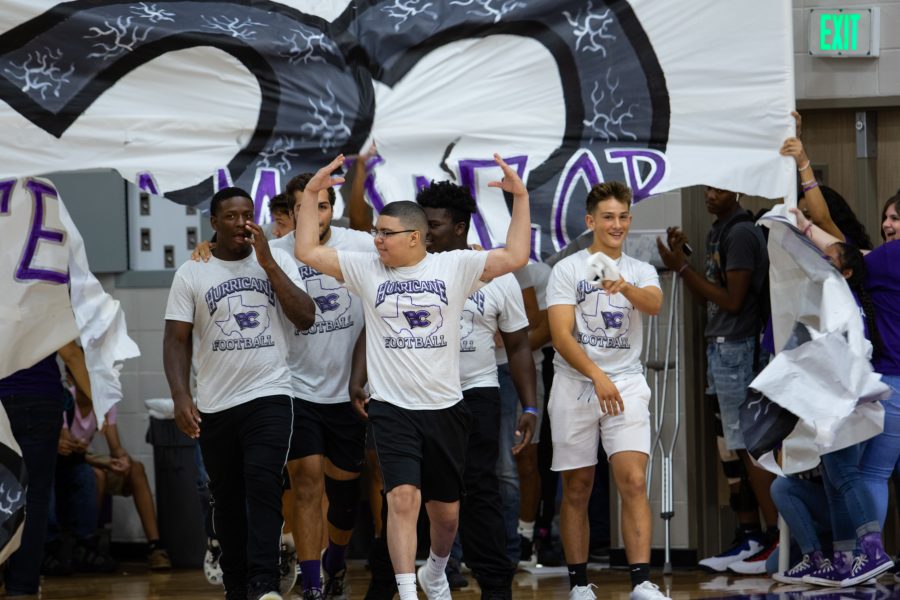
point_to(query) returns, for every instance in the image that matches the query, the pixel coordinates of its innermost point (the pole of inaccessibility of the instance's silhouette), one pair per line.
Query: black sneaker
(527, 557)
(454, 577)
(547, 555)
(337, 586)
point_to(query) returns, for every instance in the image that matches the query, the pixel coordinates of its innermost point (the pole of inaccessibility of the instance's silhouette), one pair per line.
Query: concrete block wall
(827, 78)
(141, 378)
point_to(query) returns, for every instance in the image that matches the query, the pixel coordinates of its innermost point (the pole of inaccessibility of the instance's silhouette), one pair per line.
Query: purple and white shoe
(807, 566)
(869, 561)
(830, 572)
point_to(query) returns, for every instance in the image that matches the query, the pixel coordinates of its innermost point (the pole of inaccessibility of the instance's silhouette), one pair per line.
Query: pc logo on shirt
(244, 326)
(608, 324)
(416, 326)
(332, 307)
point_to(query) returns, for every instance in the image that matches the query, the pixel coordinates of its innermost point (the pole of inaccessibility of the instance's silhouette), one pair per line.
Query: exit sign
(845, 32)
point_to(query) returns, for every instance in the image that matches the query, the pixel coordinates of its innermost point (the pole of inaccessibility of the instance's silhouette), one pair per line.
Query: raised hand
(323, 180)
(793, 147)
(511, 182)
(260, 244)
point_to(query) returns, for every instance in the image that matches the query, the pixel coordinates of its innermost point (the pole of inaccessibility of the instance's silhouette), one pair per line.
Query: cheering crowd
(302, 362)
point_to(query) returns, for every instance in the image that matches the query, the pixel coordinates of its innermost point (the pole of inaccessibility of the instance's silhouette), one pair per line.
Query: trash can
(178, 512)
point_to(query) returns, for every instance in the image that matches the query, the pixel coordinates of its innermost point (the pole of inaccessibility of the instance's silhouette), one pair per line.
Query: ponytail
(852, 258)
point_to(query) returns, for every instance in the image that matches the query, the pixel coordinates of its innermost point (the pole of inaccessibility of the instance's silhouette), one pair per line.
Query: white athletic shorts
(578, 423)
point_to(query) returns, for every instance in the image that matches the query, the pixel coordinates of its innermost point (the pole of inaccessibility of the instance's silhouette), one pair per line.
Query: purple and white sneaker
(830, 572)
(807, 566)
(869, 561)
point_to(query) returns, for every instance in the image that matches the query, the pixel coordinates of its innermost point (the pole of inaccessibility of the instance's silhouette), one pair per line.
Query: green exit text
(838, 31)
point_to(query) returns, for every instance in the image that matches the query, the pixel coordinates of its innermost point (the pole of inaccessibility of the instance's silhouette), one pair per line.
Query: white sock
(287, 538)
(406, 586)
(526, 530)
(436, 565)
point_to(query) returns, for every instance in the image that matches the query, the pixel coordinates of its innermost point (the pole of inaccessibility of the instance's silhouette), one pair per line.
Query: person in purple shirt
(33, 400)
(881, 454)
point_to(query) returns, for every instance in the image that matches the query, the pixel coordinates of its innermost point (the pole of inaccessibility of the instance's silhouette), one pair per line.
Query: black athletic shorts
(424, 448)
(332, 430)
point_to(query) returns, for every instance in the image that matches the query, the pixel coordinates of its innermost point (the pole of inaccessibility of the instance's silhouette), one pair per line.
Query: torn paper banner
(101, 324)
(836, 407)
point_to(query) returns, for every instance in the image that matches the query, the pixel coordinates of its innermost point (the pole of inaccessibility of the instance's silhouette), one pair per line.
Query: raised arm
(297, 305)
(358, 211)
(821, 238)
(518, 237)
(306, 246)
(816, 207)
(177, 364)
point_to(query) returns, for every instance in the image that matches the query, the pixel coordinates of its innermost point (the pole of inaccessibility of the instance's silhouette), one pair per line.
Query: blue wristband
(530, 410)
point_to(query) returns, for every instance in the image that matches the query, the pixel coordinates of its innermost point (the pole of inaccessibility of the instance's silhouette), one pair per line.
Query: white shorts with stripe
(578, 424)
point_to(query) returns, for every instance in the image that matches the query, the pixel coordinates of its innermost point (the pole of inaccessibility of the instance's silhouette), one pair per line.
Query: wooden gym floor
(135, 582)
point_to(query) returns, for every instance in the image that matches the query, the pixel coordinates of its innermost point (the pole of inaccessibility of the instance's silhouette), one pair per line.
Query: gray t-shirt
(744, 250)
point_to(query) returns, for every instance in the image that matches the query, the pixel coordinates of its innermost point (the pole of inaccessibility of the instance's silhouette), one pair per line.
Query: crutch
(671, 362)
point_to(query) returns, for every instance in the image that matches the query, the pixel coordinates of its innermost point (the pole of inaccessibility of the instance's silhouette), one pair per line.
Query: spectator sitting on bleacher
(117, 473)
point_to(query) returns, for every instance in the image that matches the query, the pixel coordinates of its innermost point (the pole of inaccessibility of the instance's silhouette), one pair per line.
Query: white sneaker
(583, 592)
(434, 589)
(742, 549)
(287, 568)
(648, 591)
(270, 596)
(211, 568)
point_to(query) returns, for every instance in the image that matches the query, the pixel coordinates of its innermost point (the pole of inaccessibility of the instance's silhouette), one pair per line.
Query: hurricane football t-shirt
(608, 327)
(412, 323)
(239, 340)
(318, 357)
(498, 305)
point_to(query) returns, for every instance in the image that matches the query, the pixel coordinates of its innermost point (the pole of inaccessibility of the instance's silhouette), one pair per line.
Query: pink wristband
(683, 267)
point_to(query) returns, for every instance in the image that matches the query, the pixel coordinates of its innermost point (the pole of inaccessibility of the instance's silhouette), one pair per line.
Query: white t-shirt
(412, 324)
(319, 357)
(239, 338)
(499, 304)
(533, 275)
(608, 327)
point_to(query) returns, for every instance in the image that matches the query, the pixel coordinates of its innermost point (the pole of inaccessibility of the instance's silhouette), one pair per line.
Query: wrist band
(811, 186)
(682, 268)
(807, 229)
(804, 167)
(808, 181)
(530, 410)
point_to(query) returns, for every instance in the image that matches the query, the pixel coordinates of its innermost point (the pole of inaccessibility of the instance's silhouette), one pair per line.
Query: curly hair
(298, 184)
(844, 217)
(455, 199)
(852, 258)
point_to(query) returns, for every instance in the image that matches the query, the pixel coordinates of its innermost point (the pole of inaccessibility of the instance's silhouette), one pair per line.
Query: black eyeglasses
(385, 233)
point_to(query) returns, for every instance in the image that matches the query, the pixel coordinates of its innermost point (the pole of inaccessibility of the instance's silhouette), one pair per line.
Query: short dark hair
(298, 184)
(895, 200)
(411, 215)
(455, 199)
(226, 193)
(606, 190)
(281, 203)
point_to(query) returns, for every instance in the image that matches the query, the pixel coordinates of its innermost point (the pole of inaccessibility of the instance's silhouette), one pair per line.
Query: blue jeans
(729, 372)
(849, 501)
(883, 451)
(507, 469)
(35, 422)
(803, 505)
